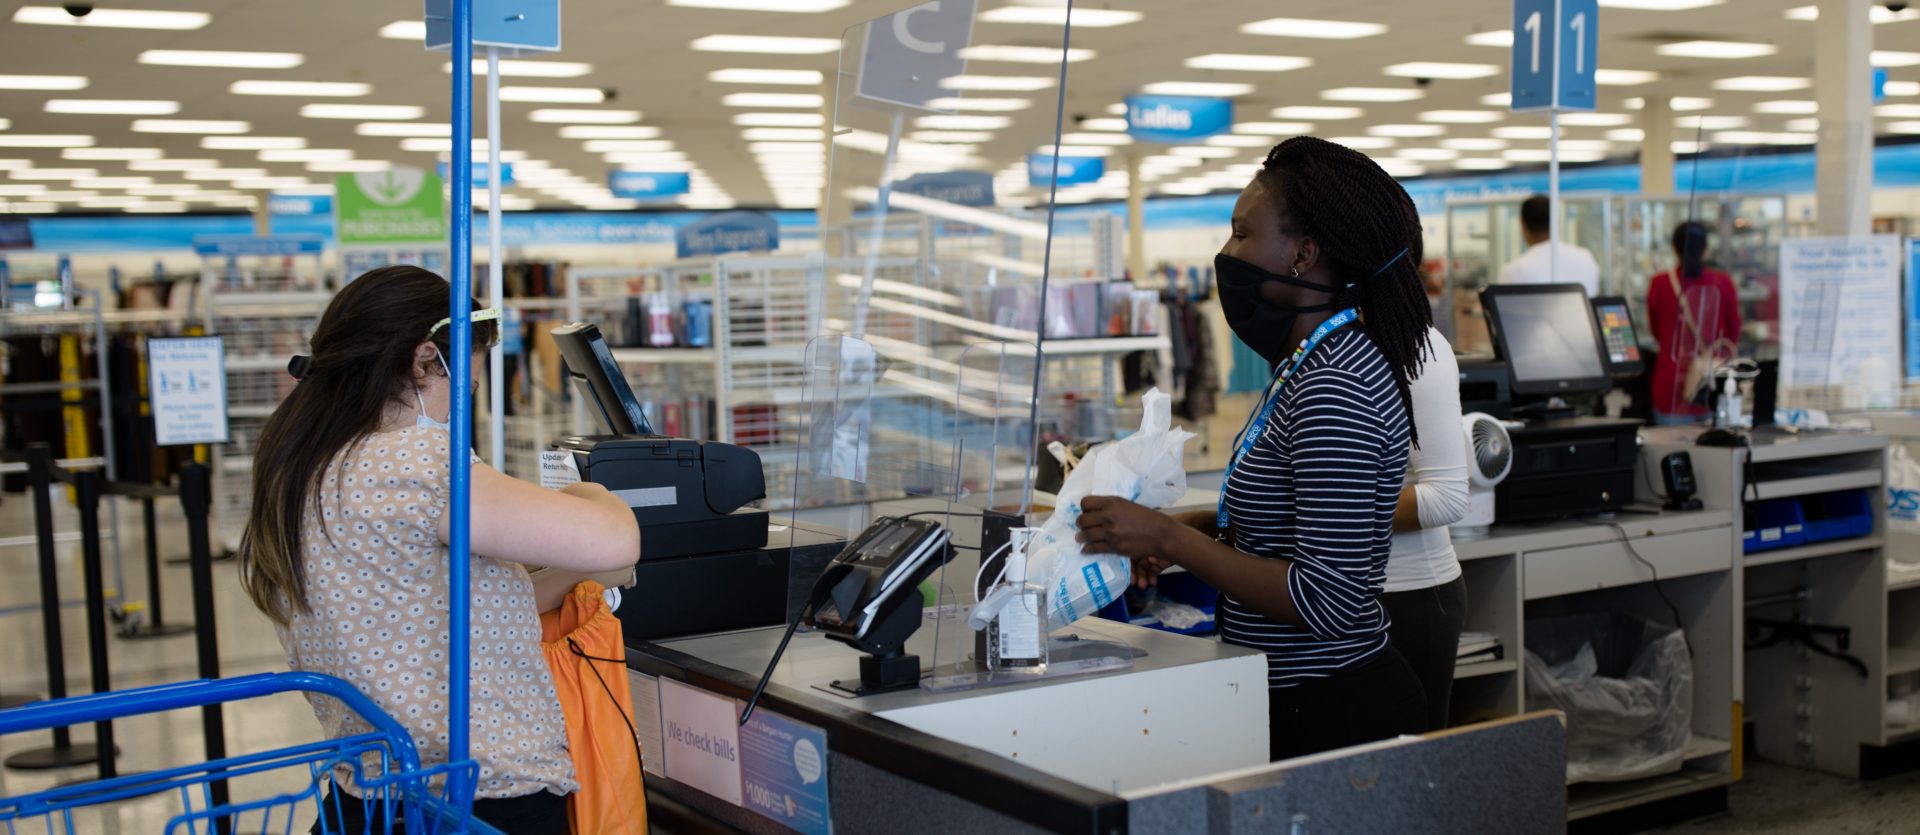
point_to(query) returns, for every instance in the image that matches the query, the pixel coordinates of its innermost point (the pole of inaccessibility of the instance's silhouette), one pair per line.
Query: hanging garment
(587, 654)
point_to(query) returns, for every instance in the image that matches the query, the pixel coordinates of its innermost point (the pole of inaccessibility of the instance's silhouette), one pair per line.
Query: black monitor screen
(1548, 336)
(598, 378)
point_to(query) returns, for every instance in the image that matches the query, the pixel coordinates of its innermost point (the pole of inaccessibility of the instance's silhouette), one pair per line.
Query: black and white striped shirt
(1319, 488)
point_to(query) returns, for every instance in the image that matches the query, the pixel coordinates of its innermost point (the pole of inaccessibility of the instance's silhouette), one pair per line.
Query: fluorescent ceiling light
(1462, 117)
(112, 18)
(982, 104)
(1364, 143)
(363, 111)
(1762, 83)
(1627, 135)
(1904, 128)
(1481, 164)
(1103, 123)
(1095, 139)
(1898, 111)
(555, 95)
(1749, 137)
(950, 136)
(1884, 58)
(805, 100)
(1316, 113)
(1594, 120)
(21, 189)
(172, 164)
(165, 191)
(1624, 78)
(405, 30)
(799, 6)
(1787, 107)
(350, 166)
(1289, 27)
(601, 146)
(1373, 94)
(1240, 140)
(112, 153)
(54, 173)
(766, 45)
(645, 162)
(1205, 152)
(222, 126)
(1221, 89)
(1401, 168)
(265, 183)
(1711, 122)
(1716, 49)
(1248, 63)
(252, 143)
(1528, 155)
(528, 69)
(156, 207)
(32, 208)
(1599, 145)
(1021, 54)
(1498, 37)
(1469, 143)
(996, 83)
(429, 143)
(43, 82)
(801, 135)
(1660, 5)
(15, 164)
(1427, 154)
(112, 182)
(307, 155)
(746, 75)
(564, 116)
(219, 58)
(1272, 128)
(315, 89)
(403, 129)
(44, 140)
(1903, 88)
(225, 173)
(1406, 131)
(959, 122)
(779, 120)
(1442, 69)
(609, 132)
(1057, 16)
(1880, 14)
(114, 107)
(1523, 132)
(1497, 99)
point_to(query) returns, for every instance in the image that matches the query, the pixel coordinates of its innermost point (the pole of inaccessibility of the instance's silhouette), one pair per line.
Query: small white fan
(1489, 459)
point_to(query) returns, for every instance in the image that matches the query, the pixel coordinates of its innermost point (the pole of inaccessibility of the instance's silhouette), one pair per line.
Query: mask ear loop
(1391, 261)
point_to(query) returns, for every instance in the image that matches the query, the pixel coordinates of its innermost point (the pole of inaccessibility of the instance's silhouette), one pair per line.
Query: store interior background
(1419, 85)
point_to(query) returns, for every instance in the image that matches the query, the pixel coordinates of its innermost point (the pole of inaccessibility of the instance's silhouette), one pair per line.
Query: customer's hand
(1112, 525)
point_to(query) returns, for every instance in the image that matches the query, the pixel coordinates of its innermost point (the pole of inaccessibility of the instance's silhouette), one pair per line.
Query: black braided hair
(1362, 219)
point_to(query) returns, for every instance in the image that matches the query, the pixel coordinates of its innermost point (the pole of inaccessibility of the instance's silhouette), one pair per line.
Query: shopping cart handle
(96, 707)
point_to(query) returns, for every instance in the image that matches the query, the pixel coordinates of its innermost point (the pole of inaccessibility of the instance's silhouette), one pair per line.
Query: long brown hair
(362, 361)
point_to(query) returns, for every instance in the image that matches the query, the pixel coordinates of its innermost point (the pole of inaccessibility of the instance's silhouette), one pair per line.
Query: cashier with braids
(1321, 278)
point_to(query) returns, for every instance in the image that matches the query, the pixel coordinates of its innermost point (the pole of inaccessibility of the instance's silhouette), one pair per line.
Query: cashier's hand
(1112, 525)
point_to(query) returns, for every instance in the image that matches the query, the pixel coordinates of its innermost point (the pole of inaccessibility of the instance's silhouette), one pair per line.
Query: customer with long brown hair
(346, 549)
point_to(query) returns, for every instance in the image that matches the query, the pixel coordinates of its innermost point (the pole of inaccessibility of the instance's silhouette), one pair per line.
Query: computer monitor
(597, 377)
(1547, 335)
(1618, 336)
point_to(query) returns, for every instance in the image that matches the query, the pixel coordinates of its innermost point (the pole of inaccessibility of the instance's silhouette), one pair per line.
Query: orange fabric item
(586, 651)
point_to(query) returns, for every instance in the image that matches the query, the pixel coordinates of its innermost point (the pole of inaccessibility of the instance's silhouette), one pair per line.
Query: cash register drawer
(1603, 565)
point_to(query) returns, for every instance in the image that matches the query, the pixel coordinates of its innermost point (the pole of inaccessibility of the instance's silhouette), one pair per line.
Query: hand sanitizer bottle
(1017, 638)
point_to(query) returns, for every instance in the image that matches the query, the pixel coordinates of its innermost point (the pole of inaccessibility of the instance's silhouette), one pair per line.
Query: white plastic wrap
(1144, 467)
(1626, 686)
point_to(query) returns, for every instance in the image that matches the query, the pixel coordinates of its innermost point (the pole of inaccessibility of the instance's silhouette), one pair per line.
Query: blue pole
(459, 593)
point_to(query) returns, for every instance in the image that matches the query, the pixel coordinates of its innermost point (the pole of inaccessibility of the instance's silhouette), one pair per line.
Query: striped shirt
(1318, 489)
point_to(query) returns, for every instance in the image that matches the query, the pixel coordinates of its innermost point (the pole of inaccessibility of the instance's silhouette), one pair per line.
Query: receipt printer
(686, 494)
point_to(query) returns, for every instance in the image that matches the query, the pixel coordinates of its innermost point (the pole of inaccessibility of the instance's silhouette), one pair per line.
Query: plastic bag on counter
(1626, 686)
(1903, 498)
(1145, 467)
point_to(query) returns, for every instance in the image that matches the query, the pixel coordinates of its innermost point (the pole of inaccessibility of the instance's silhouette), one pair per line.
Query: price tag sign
(1550, 35)
(187, 388)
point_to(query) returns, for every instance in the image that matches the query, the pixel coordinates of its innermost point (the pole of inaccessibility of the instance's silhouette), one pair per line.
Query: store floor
(1772, 800)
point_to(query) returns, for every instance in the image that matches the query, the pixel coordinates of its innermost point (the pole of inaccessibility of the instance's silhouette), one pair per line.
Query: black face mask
(1266, 327)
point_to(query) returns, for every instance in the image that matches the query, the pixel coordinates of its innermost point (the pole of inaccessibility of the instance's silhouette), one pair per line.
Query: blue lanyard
(1257, 422)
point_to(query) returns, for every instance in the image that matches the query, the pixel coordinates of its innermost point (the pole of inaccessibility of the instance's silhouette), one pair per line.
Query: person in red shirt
(1695, 315)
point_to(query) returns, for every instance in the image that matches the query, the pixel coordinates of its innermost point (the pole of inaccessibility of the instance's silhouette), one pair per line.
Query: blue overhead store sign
(1177, 118)
(908, 53)
(725, 232)
(648, 185)
(965, 188)
(300, 205)
(257, 245)
(1073, 171)
(15, 233)
(480, 174)
(1550, 32)
(511, 25)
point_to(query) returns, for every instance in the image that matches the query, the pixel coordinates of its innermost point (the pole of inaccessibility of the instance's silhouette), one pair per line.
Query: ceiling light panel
(1885, 58)
(745, 75)
(1056, 16)
(528, 69)
(1462, 117)
(311, 89)
(353, 166)
(204, 126)
(1497, 99)
(812, 135)
(1273, 128)
(794, 6)
(1898, 111)
(766, 44)
(1624, 78)
(219, 58)
(112, 182)
(44, 140)
(1103, 124)
(1240, 140)
(112, 153)
(1723, 50)
(1880, 14)
(1373, 94)
(1481, 164)
(959, 122)
(403, 129)
(1406, 131)
(307, 155)
(1316, 113)
(609, 132)
(1427, 154)
(1903, 88)
(1712, 122)
(1594, 120)
(601, 146)
(1627, 135)
(395, 112)
(565, 116)
(1291, 27)
(113, 107)
(1020, 54)
(1442, 69)
(1787, 107)
(54, 173)
(1219, 89)
(1762, 83)
(1659, 5)
(1473, 143)
(172, 164)
(982, 104)
(1523, 132)
(1498, 37)
(554, 95)
(43, 82)
(405, 30)
(251, 143)
(112, 18)
(1248, 63)
(782, 120)
(802, 100)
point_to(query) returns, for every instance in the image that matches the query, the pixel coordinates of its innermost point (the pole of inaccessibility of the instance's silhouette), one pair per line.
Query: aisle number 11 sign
(1555, 47)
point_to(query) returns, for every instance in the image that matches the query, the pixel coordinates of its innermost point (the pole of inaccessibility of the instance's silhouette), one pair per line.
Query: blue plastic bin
(1847, 514)
(1772, 524)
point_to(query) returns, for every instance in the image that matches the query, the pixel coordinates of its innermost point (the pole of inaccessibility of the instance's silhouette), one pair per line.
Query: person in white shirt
(1575, 265)
(1425, 597)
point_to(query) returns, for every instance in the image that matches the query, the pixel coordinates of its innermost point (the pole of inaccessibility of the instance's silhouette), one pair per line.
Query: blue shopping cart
(397, 793)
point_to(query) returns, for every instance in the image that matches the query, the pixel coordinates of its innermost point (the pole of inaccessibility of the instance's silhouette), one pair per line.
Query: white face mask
(424, 422)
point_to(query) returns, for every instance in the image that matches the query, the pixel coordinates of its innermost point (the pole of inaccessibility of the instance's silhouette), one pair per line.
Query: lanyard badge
(1257, 422)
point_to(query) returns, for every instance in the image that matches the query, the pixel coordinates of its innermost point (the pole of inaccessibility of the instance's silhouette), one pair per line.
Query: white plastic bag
(1903, 494)
(1144, 467)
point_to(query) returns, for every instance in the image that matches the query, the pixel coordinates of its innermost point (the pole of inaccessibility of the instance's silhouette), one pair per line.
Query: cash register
(1550, 341)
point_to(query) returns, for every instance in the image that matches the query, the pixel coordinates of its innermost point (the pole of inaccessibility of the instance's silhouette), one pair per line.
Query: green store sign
(397, 206)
